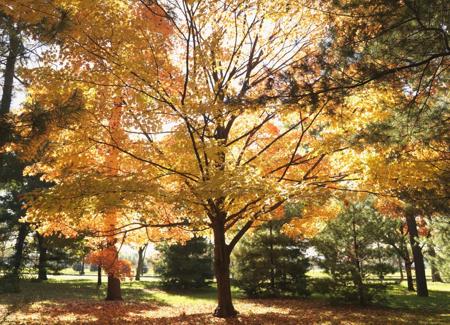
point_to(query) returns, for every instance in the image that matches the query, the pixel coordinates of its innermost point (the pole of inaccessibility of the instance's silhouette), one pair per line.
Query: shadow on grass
(85, 289)
(33, 291)
(208, 293)
(401, 298)
(312, 311)
(79, 301)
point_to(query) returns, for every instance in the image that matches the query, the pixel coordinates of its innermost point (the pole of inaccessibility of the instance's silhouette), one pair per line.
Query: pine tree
(269, 263)
(350, 248)
(185, 266)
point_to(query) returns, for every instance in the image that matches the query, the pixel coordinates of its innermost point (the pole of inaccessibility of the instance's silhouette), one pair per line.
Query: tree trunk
(272, 262)
(42, 266)
(435, 275)
(114, 291)
(18, 250)
(82, 266)
(225, 306)
(409, 277)
(380, 261)
(402, 277)
(99, 276)
(140, 263)
(419, 265)
(357, 274)
(8, 74)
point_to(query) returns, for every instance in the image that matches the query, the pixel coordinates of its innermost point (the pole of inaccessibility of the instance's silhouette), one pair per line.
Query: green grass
(65, 287)
(398, 297)
(317, 274)
(437, 302)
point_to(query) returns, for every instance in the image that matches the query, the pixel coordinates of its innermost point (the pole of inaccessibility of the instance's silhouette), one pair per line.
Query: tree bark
(419, 265)
(8, 74)
(402, 277)
(357, 274)
(409, 277)
(272, 262)
(225, 306)
(113, 291)
(18, 250)
(99, 276)
(82, 266)
(140, 264)
(435, 275)
(42, 266)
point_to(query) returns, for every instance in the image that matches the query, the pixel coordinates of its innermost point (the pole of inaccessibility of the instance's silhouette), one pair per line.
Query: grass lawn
(63, 300)
(438, 301)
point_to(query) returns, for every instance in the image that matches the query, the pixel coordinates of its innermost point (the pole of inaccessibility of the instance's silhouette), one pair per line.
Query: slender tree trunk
(402, 277)
(357, 274)
(18, 250)
(113, 291)
(380, 274)
(435, 275)
(8, 74)
(42, 266)
(409, 277)
(408, 270)
(82, 266)
(419, 265)
(225, 306)
(99, 276)
(140, 263)
(272, 262)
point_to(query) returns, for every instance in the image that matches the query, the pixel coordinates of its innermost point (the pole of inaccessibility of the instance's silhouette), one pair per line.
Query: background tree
(140, 265)
(439, 240)
(269, 263)
(394, 232)
(186, 265)
(350, 250)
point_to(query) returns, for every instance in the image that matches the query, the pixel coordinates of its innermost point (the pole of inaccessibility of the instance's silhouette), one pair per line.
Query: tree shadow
(401, 298)
(203, 293)
(79, 302)
(308, 311)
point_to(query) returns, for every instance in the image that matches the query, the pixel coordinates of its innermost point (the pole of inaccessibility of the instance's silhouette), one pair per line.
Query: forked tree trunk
(419, 265)
(113, 291)
(18, 250)
(140, 264)
(225, 306)
(42, 266)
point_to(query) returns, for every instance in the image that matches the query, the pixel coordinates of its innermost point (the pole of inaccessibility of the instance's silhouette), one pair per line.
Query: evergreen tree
(439, 242)
(13, 185)
(351, 249)
(185, 266)
(269, 263)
